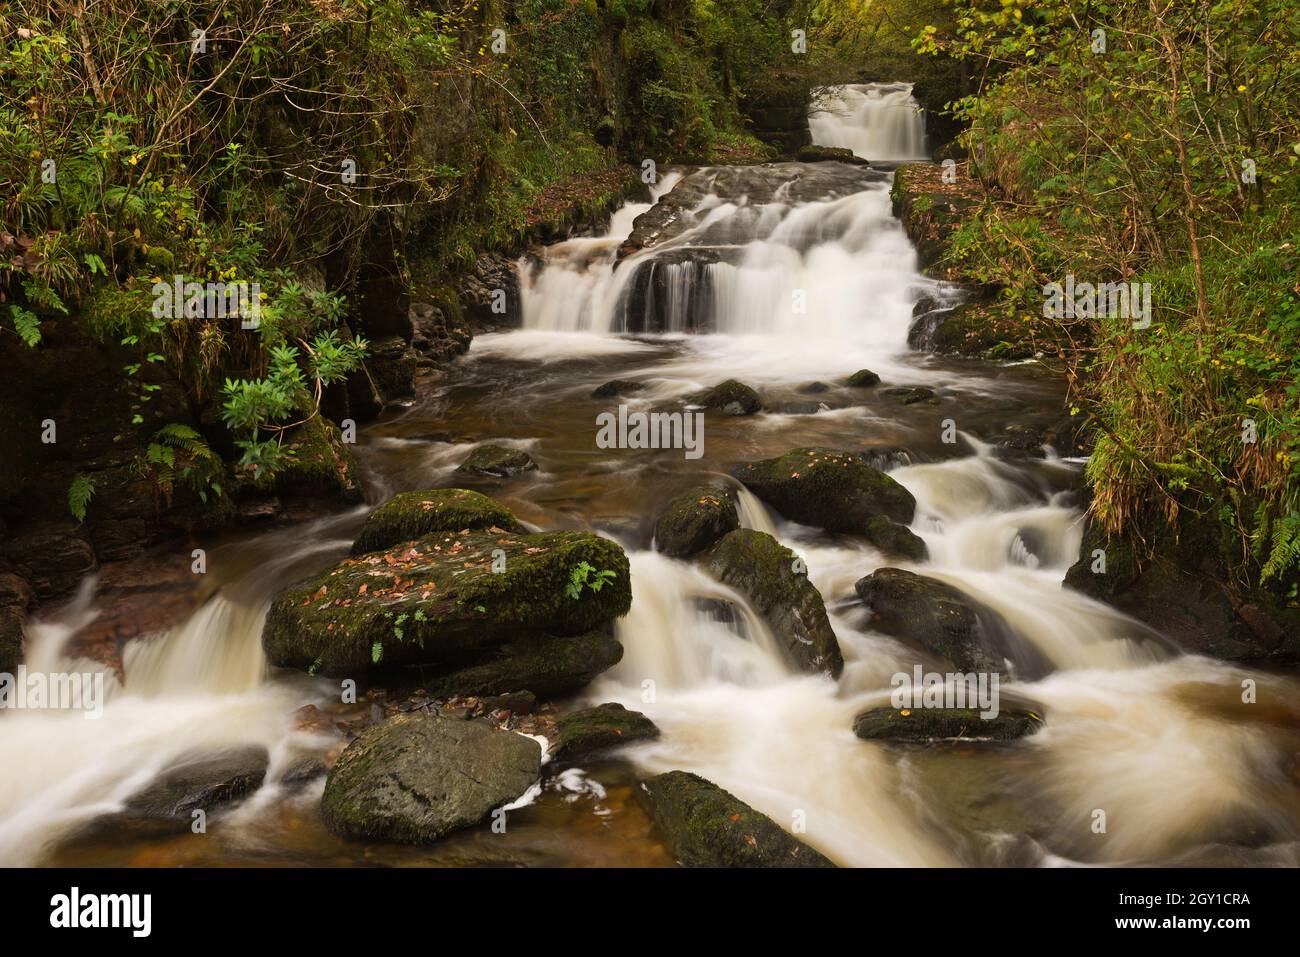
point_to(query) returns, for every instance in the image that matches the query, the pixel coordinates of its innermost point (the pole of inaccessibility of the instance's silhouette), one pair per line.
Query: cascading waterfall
(881, 122)
(789, 272)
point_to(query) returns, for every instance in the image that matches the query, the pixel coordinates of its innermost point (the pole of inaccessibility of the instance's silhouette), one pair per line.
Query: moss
(411, 515)
(496, 461)
(321, 464)
(821, 154)
(546, 665)
(704, 826)
(732, 397)
(827, 488)
(585, 732)
(930, 724)
(437, 599)
(863, 378)
(694, 521)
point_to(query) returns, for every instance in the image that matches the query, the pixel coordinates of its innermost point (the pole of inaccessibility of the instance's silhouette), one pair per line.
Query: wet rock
(731, 398)
(909, 395)
(862, 378)
(516, 702)
(1020, 441)
(705, 826)
(801, 408)
(886, 457)
(496, 461)
(15, 601)
(945, 622)
(322, 464)
(438, 601)
(303, 771)
(617, 387)
(490, 294)
(822, 154)
(814, 388)
(546, 665)
(438, 332)
(51, 557)
(200, 783)
(828, 488)
(694, 521)
(392, 366)
(941, 724)
(416, 778)
(772, 578)
(410, 515)
(581, 733)
(895, 539)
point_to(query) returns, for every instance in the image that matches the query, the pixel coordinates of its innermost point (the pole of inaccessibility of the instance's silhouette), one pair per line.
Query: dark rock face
(495, 461)
(918, 725)
(617, 387)
(15, 601)
(52, 557)
(837, 491)
(730, 398)
(694, 521)
(202, 783)
(392, 366)
(410, 515)
(581, 733)
(1184, 593)
(416, 778)
(944, 622)
(767, 573)
(484, 612)
(490, 294)
(704, 826)
(438, 334)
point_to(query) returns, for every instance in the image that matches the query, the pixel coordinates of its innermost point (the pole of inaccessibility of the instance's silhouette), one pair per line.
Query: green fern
(28, 326)
(1284, 548)
(80, 493)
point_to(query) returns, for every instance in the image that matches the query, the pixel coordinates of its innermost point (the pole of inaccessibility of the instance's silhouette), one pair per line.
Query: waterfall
(881, 122)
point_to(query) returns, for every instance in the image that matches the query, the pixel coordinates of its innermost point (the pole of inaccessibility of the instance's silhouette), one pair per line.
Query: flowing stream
(1161, 742)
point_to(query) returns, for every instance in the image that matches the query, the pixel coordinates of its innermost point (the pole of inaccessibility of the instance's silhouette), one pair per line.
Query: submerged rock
(837, 491)
(947, 623)
(200, 783)
(813, 388)
(704, 826)
(771, 577)
(545, 665)
(580, 733)
(417, 777)
(411, 515)
(496, 461)
(617, 387)
(695, 520)
(731, 398)
(448, 601)
(938, 724)
(909, 395)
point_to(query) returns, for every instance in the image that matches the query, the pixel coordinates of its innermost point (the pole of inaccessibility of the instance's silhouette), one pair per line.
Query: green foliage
(580, 576)
(80, 493)
(180, 454)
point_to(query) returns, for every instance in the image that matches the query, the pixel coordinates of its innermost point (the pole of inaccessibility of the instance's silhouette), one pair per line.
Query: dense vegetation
(1148, 141)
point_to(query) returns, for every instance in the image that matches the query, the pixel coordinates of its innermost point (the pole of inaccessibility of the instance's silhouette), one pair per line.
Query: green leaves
(581, 576)
(80, 493)
(26, 324)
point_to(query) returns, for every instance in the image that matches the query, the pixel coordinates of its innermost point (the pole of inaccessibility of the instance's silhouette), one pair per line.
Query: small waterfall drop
(881, 122)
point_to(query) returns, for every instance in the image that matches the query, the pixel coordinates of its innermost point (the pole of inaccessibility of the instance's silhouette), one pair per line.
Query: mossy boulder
(895, 539)
(862, 379)
(581, 733)
(837, 491)
(321, 464)
(545, 665)
(772, 578)
(909, 395)
(822, 154)
(730, 398)
(945, 622)
(919, 725)
(695, 520)
(705, 826)
(411, 515)
(496, 461)
(446, 600)
(417, 777)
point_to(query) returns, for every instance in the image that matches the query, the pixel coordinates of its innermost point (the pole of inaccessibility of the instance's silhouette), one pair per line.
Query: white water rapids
(1156, 740)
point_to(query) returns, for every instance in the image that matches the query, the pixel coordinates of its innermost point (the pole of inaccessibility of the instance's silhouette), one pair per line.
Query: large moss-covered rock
(417, 777)
(580, 733)
(772, 578)
(545, 665)
(938, 618)
(444, 599)
(694, 521)
(705, 826)
(731, 398)
(496, 461)
(941, 724)
(411, 515)
(320, 464)
(837, 491)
